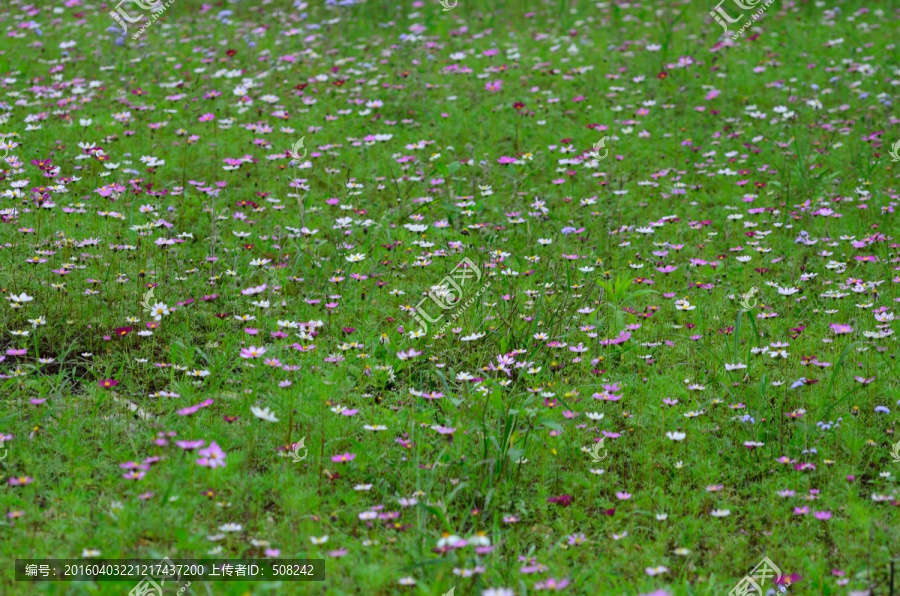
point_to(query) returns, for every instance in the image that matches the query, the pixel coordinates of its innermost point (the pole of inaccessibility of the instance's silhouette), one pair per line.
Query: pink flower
(552, 584)
(494, 86)
(841, 329)
(340, 458)
(252, 352)
(212, 456)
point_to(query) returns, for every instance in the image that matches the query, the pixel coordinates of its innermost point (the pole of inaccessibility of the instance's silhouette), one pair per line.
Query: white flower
(232, 527)
(472, 337)
(159, 310)
(321, 540)
(684, 305)
(264, 414)
(498, 592)
(356, 258)
(720, 512)
(90, 552)
(676, 436)
(448, 541)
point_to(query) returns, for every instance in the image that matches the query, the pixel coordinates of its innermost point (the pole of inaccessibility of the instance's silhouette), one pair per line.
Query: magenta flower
(212, 456)
(15, 352)
(252, 352)
(552, 584)
(190, 445)
(841, 329)
(340, 458)
(107, 383)
(20, 480)
(564, 500)
(822, 515)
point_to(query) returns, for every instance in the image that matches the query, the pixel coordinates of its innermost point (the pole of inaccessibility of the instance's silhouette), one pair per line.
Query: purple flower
(841, 329)
(190, 445)
(212, 456)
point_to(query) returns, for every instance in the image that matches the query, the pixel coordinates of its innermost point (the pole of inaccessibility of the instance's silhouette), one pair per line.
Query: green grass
(520, 437)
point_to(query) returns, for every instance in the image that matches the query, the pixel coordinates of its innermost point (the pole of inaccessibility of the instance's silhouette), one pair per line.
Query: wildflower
(252, 352)
(263, 414)
(212, 456)
(159, 310)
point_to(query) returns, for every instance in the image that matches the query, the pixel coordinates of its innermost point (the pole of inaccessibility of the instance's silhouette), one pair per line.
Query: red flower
(564, 500)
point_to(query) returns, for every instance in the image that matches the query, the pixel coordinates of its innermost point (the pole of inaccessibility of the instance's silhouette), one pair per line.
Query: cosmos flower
(264, 414)
(252, 352)
(212, 456)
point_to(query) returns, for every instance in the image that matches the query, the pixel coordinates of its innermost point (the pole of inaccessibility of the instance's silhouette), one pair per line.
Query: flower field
(452, 297)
